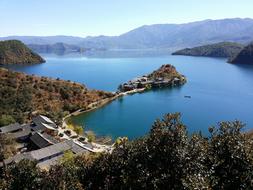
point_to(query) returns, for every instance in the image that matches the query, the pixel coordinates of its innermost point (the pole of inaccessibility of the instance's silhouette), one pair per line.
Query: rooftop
(42, 140)
(50, 151)
(46, 119)
(10, 128)
(42, 122)
(26, 130)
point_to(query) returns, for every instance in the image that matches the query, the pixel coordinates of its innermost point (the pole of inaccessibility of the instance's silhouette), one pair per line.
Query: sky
(109, 17)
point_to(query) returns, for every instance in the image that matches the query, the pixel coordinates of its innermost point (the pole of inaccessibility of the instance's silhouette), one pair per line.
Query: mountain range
(57, 48)
(159, 36)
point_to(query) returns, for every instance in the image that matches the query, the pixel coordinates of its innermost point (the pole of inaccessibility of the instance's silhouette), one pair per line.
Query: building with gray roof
(50, 154)
(43, 123)
(40, 140)
(11, 128)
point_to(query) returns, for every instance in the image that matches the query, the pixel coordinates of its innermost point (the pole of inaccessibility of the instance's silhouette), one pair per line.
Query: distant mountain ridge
(57, 48)
(15, 52)
(45, 39)
(160, 36)
(222, 49)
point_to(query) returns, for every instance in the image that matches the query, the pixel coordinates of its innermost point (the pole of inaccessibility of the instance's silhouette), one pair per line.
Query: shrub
(91, 136)
(78, 130)
(6, 120)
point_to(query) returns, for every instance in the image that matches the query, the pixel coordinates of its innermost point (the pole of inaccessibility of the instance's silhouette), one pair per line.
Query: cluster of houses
(145, 82)
(43, 141)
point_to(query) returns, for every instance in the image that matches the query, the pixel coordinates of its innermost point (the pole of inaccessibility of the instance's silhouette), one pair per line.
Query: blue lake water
(219, 91)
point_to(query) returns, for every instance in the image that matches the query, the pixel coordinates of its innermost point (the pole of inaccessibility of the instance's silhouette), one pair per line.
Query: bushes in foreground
(166, 158)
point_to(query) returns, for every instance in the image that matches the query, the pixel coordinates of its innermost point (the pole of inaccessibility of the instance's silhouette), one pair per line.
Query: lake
(219, 91)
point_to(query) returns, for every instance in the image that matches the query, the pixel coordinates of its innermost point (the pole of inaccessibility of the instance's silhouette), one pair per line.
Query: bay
(219, 91)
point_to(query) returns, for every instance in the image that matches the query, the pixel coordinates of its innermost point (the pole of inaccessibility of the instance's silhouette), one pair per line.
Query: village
(146, 82)
(45, 142)
(42, 140)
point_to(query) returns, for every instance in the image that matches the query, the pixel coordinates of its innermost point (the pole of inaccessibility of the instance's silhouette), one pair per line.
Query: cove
(219, 91)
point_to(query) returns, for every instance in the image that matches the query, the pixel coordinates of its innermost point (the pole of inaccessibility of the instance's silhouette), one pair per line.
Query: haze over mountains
(160, 36)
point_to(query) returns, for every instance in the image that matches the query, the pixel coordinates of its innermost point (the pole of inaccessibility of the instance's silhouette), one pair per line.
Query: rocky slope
(223, 49)
(15, 52)
(165, 71)
(245, 56)
(22, 95)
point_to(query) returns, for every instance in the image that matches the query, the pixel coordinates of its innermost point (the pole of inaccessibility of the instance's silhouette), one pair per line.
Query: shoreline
(95, 105)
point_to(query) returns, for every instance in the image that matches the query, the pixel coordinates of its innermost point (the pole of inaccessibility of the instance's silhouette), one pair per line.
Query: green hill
(245, 56)
(15, 52)
(223, 49)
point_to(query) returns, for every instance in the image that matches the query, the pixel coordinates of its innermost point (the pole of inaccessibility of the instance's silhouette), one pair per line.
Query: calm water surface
(219, 91)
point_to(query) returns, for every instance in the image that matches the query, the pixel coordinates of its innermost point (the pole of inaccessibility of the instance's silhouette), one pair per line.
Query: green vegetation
(167, 72)
(78, 130)
(91, 136)
(7, 147)
(245, 56)
(223, 49)
(120, 140)
(166, 158)
(23, 175)
(15, 52)
(6, 120)
(23, 95)
(68, 156)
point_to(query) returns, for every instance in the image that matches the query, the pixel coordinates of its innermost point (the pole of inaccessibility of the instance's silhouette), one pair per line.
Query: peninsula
(16, 52)
(223, 49)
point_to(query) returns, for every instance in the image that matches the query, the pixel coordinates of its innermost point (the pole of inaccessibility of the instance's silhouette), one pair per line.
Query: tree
(6, 120)
(64, 93)
(7, 147)
(157, 161)
(24, 175)
(91, 136)
(78, 130)
(230, 156)
(166, 158)
(64, 175)
(67, 157)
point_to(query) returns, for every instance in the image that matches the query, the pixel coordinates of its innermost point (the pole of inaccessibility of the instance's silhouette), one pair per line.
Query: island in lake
(165, 76)
(222, 49)
(16, 52)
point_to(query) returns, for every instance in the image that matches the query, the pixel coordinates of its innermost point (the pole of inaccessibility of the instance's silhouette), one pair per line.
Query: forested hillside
(22, 95)
(15, 52)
